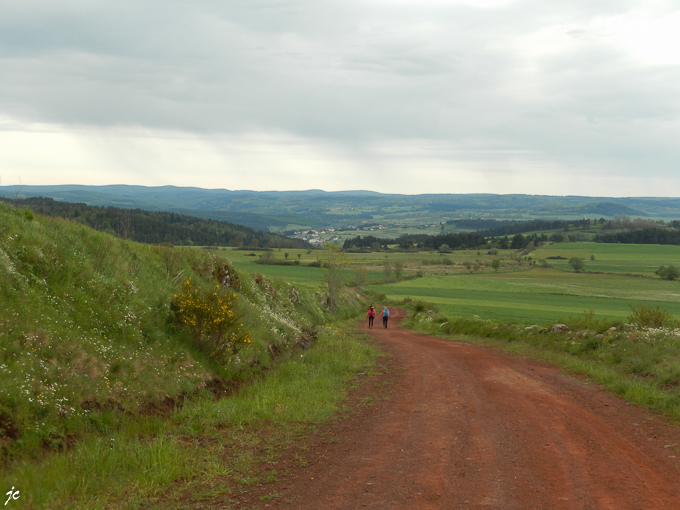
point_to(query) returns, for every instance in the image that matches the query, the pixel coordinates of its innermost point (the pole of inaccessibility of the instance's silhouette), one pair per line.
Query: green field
(620, 276)
(612, 258)
(301, 275)
(537, 294)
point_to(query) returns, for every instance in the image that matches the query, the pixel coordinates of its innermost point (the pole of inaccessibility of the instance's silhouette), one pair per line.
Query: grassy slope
(86, 333)
(83, 325)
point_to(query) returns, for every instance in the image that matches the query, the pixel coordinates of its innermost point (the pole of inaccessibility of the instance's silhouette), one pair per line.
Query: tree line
(367, 242)
(654, 235)
(520, 227)
(619, 230)
(156, 227)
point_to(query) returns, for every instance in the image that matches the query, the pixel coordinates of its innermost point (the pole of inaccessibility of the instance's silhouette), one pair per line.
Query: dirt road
(468, 427)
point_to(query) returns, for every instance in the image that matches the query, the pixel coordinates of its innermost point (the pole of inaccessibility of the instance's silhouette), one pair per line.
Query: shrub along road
(469, 427)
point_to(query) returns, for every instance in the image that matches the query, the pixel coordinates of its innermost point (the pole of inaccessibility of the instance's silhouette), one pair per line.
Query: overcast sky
(575, 97)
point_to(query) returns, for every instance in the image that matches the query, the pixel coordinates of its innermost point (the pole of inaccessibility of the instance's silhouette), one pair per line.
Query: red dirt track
(469, 427)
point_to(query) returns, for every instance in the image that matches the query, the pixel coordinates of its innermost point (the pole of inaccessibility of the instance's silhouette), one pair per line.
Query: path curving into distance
(472, 428)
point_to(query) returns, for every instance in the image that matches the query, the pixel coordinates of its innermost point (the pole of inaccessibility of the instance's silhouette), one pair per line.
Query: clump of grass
(645, 316)
(426, 316)
(418, 306)
(588, 322)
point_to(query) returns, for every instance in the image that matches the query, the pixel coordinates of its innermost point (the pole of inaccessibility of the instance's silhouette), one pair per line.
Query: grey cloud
(341, 70)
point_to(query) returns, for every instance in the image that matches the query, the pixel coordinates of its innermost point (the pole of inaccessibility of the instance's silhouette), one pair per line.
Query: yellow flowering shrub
(210, 318)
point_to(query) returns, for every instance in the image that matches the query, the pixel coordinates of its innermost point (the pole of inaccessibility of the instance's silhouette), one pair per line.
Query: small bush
(644, 316)
(418, 306)
(588, 322)
(668, 273)
(210, 318)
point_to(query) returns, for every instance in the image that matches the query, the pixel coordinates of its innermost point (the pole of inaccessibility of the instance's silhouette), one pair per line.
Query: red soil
(463, 426)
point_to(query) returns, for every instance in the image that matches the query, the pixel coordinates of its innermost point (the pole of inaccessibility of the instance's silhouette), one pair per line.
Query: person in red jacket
(371, 315)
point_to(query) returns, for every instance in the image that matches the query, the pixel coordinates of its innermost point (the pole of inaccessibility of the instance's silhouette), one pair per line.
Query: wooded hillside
(156, 227)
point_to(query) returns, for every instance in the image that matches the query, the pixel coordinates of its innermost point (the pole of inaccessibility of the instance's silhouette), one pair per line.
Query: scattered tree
(518, 242)
(577, 263)
(668, 273)
(360, 276)
(496, 263)
(387, 267)
(266, 257)
(333, 262)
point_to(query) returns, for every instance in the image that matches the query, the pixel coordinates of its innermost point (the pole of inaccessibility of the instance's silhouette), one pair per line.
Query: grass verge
(207, 450)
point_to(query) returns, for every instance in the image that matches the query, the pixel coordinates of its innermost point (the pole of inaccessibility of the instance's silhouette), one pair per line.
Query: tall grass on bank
(84, 329)
(639, 361)
(91, 348)
(210, 446)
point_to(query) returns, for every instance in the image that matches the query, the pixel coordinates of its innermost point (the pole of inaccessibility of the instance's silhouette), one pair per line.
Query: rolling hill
(281, 211)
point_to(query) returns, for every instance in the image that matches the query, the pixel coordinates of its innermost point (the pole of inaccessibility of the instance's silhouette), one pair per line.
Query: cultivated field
(641, 259)
(464, 284)
(537, 295)
(300, 275)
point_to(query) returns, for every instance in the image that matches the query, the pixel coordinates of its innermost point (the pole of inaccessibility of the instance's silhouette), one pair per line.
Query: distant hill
(281, 211)
(609, 209)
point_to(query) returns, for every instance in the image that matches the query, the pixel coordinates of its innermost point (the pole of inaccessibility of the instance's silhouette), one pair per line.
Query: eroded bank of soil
(469, 427)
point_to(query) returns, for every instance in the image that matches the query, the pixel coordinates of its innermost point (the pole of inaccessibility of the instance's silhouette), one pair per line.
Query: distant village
(313, 236)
